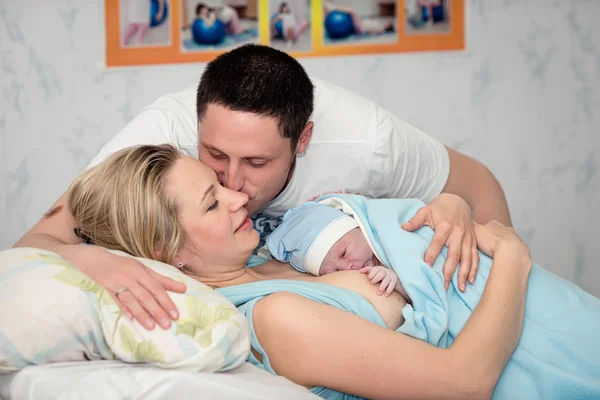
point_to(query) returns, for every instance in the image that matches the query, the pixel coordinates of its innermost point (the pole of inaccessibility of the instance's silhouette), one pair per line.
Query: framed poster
(143, 32)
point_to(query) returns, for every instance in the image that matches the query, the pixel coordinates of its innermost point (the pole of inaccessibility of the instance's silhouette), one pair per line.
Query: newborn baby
(319, 239)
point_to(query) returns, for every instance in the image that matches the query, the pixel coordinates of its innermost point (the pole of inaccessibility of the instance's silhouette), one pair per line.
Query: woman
(290, 28)
(153, 202)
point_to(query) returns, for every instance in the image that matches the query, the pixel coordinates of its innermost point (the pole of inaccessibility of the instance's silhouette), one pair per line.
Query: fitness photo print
(289, 25)
(150, 32)
(218, 24)
(351, 22)
(145, 23)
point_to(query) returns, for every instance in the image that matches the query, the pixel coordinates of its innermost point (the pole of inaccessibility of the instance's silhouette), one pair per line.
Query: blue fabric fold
(558, 356)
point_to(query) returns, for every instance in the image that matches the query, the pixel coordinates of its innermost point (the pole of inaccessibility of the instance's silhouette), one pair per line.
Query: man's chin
(255, 207)
(252, 209)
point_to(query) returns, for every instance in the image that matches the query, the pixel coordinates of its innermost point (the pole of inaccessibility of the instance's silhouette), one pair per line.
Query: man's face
(247, 153)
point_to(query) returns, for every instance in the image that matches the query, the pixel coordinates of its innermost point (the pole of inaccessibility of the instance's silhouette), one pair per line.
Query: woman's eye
(213, 206)
(344, 253)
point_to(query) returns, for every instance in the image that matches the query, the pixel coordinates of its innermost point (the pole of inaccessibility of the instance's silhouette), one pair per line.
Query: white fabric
(138, 11)
(325, 241)
(288, 21)
(108, 380)
(52, 312)
(356, 147)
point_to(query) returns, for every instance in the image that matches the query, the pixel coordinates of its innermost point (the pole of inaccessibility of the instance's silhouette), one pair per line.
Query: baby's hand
(388, 278)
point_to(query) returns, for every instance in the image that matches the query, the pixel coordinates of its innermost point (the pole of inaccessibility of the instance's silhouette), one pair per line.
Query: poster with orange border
(145, 32)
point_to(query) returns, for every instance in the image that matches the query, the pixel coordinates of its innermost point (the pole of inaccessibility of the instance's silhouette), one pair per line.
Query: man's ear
(304, 138)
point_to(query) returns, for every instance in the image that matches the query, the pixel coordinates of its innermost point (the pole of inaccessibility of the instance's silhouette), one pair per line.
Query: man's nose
(233, 179)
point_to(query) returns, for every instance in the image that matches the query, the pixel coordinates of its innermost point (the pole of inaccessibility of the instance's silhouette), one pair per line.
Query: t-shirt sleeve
(151, 126)
(407, 163)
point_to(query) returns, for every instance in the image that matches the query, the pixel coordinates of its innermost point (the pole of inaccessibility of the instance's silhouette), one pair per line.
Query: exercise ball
(437, 13)
(154, 10)
(339, 25)
(213, 34)
(278, 26)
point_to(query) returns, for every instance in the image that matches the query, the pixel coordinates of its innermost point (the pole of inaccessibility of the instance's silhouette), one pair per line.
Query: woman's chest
(389, 307)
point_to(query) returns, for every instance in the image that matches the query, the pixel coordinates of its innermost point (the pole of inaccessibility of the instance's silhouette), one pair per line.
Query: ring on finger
(118, 292)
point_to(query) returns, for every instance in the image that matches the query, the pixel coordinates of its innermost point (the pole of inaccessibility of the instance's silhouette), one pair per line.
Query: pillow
(50, 311)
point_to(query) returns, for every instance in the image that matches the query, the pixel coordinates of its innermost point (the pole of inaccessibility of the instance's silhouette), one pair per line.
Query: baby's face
(352, 251)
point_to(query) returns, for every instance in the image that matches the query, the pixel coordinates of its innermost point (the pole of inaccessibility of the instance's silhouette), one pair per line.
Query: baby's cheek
(326, 268)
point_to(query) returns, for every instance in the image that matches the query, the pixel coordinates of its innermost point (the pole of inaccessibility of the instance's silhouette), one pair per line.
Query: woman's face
(219, 234)
(203, 12)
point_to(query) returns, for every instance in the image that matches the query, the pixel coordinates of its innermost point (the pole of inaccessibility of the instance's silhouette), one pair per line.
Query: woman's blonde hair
(121, 203)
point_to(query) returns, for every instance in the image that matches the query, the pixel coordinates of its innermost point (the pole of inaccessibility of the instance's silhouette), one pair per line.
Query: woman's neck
(243, 275)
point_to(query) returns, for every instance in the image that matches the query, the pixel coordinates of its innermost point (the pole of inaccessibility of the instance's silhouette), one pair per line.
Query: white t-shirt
(356, 147)
(288, 21)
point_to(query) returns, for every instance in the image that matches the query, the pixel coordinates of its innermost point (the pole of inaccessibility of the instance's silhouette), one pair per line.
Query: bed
(63, 337)
(117, 380)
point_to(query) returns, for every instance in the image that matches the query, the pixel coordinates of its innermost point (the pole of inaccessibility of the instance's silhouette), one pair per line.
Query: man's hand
(450, 217)
(388, 278)
(142, 292)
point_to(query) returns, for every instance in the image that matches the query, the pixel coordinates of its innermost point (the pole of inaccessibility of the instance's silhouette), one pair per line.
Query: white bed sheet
(116, 380)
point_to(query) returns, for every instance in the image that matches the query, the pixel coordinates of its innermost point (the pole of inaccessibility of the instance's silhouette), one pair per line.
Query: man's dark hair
(260, 80)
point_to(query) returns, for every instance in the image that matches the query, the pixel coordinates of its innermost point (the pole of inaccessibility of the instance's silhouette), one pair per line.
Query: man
(269, 131)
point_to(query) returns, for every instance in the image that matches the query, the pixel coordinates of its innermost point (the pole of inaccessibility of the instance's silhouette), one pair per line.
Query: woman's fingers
(122, 306)
(129, 299)
(148, 292)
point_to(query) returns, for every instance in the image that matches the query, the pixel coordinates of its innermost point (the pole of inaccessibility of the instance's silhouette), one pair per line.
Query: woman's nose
(236, 199)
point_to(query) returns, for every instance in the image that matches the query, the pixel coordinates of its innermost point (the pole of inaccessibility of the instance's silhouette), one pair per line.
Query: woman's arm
(210, 19)
(341, 351)
(147, 299)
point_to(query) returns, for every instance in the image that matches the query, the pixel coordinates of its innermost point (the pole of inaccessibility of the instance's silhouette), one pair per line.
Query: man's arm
(476, 184)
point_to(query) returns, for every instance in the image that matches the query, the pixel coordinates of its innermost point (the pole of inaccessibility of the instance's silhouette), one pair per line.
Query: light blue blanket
(558, 356)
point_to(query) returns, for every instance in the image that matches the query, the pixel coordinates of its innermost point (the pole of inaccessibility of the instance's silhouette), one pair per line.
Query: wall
(522, 99)
(361, 7)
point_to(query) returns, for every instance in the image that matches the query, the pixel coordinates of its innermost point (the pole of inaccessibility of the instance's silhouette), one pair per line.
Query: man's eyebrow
(259, 157)
(209, 147)
(255, 157)
(211, 188)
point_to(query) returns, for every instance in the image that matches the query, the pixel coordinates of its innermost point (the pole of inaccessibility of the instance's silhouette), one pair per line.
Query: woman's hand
(450, 217)
(141, 291)
(494, 239)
